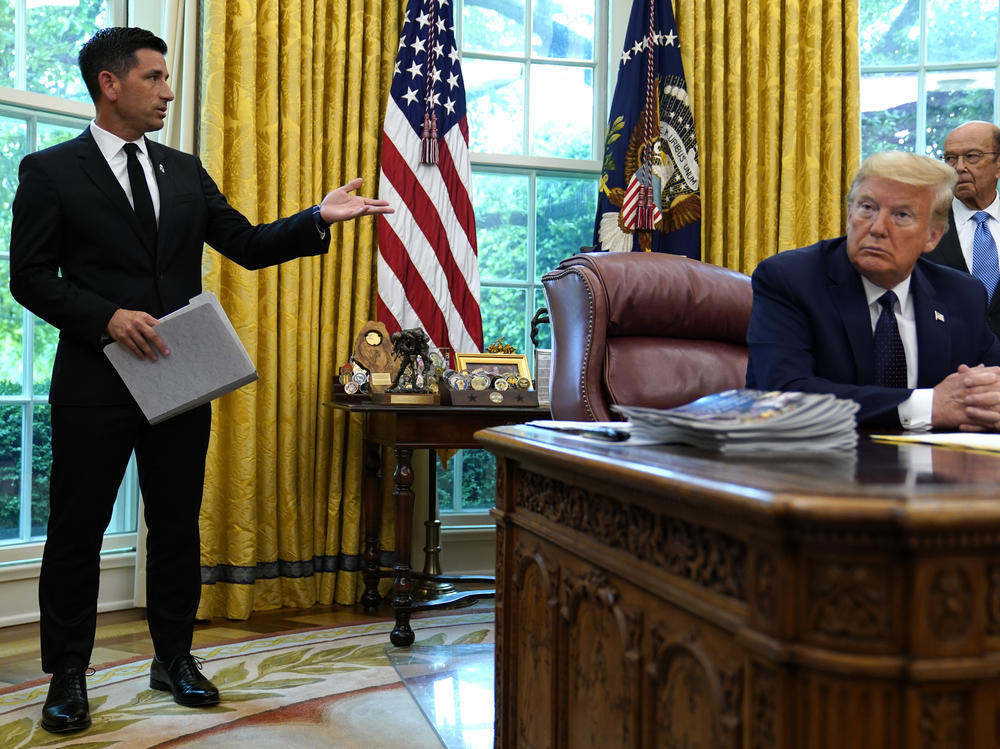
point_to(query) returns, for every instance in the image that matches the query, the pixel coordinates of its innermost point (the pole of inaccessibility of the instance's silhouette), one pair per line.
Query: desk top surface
(906, 485)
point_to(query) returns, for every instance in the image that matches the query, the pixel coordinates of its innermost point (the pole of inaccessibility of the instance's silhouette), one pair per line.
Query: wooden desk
(405, 429)
(671, 597)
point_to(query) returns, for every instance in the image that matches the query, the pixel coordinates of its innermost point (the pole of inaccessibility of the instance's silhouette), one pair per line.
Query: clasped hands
(968, 400)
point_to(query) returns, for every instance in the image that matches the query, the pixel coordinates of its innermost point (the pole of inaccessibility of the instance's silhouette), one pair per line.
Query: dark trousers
(90, 451)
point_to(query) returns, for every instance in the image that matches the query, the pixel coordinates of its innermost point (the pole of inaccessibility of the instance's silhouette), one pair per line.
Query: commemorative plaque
(373, 352)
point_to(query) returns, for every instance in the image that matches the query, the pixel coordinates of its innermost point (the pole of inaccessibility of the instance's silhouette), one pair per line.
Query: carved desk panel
(671, 597)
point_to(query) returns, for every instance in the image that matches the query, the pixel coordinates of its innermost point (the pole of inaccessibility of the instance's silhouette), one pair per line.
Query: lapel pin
(162, 170)
(938, 316)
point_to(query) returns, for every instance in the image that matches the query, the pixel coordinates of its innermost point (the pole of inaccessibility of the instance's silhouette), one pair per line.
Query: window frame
(33, 108)
(922, 67)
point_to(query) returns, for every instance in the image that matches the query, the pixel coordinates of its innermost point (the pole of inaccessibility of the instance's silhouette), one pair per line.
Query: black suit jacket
(949, 252)
(78, 254)
(810, 328)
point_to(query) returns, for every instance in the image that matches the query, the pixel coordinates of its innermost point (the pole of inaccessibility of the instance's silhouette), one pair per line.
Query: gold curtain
(293, 95)
(774, 87)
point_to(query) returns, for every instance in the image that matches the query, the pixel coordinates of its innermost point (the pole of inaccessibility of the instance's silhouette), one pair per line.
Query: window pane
(955, 97)
(889, 32)
(11, 317)
(562, 111)
(564, 219)
(504, 317)
(124, 517)
(7, 51)
(55, 33)
(961, 30)
(10, 468)
(479, 472)
(494, 99)
(544, 329)
(497, 29)
(12, 149)
(41, 462)
(446, 484)
(563, 29)
(888, 112)
(49, 134)
(13, 139)
(501, 204)
(46, 338)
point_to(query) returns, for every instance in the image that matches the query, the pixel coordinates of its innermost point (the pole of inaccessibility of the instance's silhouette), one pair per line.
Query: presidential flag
(649, 198)
(428, 270)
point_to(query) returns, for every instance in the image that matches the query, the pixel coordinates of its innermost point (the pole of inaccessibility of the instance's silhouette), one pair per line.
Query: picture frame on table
(493, 363)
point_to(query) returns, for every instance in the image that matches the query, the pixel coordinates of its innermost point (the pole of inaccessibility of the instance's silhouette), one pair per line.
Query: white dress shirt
(112, 148)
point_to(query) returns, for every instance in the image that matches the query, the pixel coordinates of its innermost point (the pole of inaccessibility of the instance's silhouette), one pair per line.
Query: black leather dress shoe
(66, 707)
(182, 676)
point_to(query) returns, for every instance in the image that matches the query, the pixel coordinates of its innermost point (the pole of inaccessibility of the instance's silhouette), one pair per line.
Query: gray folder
(206, 360)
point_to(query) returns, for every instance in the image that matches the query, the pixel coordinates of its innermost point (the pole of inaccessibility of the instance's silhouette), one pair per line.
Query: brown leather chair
(643, 329)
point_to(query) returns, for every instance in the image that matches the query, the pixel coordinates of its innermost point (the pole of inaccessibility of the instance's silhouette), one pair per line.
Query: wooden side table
(407, 428)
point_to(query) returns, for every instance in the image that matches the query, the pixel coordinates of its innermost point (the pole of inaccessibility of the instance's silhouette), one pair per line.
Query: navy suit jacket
(949, 252)
(810, 328)
(77, 252)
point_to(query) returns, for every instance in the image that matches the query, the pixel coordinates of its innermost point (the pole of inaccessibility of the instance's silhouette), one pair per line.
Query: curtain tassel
(645, 217)
(429, 140)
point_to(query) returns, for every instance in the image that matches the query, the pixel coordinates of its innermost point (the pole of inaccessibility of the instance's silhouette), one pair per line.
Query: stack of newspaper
(746, 420)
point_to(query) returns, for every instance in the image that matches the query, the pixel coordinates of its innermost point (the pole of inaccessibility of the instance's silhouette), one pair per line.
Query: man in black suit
(108, 234)
(973, 150)
(820, 312)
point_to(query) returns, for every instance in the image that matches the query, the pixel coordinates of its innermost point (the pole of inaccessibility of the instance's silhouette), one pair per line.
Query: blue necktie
(984, 255)
(890, 359)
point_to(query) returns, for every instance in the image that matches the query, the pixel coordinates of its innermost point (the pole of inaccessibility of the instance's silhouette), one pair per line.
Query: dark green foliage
(478, 490)
(895, 128)
(11, 416)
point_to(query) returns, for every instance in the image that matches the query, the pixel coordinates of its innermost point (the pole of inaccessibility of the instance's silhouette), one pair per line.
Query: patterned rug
(316, 688)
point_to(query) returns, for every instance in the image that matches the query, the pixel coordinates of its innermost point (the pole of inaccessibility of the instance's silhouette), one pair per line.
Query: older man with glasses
(970, 244)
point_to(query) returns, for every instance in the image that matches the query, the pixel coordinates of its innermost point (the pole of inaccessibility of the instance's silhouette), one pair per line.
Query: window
(42, 102)
(925, 68)
(536, 99)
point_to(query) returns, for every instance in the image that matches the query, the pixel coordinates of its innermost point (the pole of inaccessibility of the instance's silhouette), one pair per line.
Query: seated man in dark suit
(924, 357)
(973, 150)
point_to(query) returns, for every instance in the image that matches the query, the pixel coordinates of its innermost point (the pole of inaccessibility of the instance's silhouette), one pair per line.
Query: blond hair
(911, 169)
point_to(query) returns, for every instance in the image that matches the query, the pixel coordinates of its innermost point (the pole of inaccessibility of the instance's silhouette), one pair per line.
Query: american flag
(428, 268)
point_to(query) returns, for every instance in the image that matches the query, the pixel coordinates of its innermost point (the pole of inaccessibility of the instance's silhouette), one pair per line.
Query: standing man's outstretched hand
(341, 205)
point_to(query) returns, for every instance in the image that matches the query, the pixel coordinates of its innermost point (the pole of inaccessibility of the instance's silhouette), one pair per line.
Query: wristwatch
(321, 225)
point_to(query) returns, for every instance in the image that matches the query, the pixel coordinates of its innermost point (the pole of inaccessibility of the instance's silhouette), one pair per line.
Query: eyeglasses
(971, 158)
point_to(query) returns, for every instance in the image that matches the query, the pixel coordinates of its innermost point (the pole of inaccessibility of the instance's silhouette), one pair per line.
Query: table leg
(430, 589)
(402, 602)
(371, 501)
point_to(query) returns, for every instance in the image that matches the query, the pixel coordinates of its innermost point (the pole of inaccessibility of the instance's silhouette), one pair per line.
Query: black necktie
(890, 360)
(141, 202)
